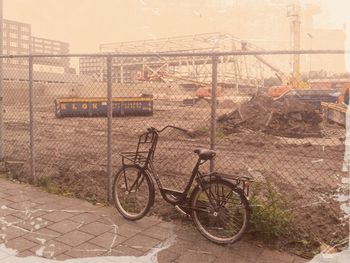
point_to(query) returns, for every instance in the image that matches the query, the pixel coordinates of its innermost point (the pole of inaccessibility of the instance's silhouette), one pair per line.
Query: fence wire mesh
(292, 146)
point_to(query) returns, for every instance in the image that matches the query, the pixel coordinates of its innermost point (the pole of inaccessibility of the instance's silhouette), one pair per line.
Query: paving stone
(142, 242)
(96, 228)
(84, 207)
(86, 250)
(32, 225)
(49, 206)
(18, 198)
(22, 205)
(196, 257)
(46, 199)
(29, 214)
(85, 218)
(107, 240)
(123, 250)
(204, 245)
(20, 244)
(43, 234)
(229, 257)
(158, 232)
(57, 216)
(52, 249)
(62, 257)
(127, 230)
(64, 226)
(11, 219)
(115, 219)
(75, 238)
(247, 250)
(4, 211)
(190, 234)
(11, 192)
(70, 202)
(5, 202)
(166, 256)
(25, 253)
(180, 247)
(10, 233)
(146, 222)
(167, 225)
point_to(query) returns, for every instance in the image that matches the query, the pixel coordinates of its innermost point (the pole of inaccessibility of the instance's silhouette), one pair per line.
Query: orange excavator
(293, 82)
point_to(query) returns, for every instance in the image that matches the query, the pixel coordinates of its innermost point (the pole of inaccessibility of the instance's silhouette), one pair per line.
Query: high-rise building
(18, 40)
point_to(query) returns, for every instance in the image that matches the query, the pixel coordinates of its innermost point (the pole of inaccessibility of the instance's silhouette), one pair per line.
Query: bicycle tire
(202, 208)
(144, 194)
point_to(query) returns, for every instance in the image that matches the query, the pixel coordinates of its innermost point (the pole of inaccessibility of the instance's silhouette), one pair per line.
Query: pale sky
(87, 23)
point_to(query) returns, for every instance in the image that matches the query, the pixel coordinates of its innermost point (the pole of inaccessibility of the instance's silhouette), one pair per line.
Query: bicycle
(218, 205)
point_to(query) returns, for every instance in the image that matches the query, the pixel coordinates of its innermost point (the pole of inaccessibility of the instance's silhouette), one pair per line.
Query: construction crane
(294, 13)
(293, 81)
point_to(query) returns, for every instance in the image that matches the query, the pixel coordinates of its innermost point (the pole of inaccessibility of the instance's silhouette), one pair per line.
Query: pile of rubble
(286, 116)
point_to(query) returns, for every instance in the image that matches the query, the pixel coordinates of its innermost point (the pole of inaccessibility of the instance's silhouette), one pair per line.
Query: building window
(24, 45)
(13, 35)
(25, 29)
(12, 26)
(25, 37)
(38, 45)
(13, 44)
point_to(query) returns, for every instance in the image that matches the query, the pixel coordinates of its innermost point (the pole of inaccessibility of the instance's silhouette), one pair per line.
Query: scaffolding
(238, 71)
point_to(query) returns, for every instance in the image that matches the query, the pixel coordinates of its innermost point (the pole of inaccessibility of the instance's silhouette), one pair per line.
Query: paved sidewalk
(35, 223)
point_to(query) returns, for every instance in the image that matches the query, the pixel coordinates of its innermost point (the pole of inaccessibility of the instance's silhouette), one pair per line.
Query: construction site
(290, 134)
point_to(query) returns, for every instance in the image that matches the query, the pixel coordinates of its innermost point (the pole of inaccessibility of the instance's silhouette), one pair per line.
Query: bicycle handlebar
(166, 127)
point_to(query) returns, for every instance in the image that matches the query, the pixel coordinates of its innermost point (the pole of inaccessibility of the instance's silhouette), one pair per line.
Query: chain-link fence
(65, 130)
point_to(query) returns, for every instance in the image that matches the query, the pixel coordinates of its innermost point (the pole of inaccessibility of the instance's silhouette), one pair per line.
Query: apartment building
(18, 40)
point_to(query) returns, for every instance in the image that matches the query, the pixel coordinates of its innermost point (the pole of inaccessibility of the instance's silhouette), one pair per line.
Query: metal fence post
(109, 127)
(31, 122)
(1, 85)
(214, 78)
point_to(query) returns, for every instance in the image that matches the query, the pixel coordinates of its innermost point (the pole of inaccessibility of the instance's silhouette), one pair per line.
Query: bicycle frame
(178, 197)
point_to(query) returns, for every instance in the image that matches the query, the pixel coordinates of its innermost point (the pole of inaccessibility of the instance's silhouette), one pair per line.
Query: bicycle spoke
(133, 201)
(223, 217)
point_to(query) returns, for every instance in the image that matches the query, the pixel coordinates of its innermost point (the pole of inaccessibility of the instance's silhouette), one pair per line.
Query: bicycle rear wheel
(220, 211)
(133, 192)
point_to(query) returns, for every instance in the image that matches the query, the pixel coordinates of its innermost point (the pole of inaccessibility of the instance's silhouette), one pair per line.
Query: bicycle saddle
(205, 154)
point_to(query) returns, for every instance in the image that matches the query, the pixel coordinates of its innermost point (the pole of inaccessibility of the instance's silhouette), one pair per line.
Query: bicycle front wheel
(133, 192)
(220, 211)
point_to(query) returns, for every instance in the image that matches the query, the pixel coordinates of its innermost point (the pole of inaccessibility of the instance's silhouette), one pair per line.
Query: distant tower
(294, 14)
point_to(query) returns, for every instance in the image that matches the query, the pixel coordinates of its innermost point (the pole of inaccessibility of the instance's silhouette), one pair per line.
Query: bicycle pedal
(181, 211)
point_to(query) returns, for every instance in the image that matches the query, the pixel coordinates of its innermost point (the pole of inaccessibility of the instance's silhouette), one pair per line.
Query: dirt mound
(287, 117)
(227, 104)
